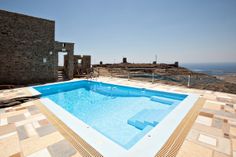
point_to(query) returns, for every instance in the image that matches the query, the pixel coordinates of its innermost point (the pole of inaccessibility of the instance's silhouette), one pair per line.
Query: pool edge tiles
(148, 144)
(33, 91)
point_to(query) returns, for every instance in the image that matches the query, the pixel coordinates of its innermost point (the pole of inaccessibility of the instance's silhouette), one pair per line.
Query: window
(44, 60)
(79, 61)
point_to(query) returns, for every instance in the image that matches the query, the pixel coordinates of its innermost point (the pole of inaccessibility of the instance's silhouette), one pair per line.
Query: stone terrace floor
(25, 131)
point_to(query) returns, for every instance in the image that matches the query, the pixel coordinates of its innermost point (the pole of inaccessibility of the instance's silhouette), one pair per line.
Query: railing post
(152, 78)
(189, 80)
(128, 76)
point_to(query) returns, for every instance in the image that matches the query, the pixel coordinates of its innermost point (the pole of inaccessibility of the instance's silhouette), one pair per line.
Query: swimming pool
(118, 117)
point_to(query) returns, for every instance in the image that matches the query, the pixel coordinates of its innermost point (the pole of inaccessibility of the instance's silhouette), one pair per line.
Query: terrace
(30, 129)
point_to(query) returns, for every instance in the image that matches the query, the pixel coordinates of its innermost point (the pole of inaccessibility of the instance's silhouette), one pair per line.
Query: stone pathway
(25, 131)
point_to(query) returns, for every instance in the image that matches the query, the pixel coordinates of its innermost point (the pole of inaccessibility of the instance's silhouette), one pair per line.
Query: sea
(212, 68)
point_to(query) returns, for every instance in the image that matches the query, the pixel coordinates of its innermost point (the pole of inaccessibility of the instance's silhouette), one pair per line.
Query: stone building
(82, 64)
(28, 50)
(69, 49)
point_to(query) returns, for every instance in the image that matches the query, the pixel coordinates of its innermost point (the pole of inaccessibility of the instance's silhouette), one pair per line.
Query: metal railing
(199, 80)
(171, 77)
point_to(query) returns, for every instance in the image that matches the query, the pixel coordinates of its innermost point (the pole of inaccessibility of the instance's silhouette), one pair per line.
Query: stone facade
(28, 51)
(82, 64)
(69, 64)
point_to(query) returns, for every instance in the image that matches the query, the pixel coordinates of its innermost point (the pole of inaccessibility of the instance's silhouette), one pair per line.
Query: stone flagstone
(217, 123)
(22, 132)
(16, 118)
(190, 149)
(9, 146)
(204, 120)
(7, 129)
(207, 139)
(45, 130)
(41, 153)
(233, 131)
(61, 149)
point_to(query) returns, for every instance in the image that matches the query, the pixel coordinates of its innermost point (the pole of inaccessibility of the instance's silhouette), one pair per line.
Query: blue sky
(188, 31)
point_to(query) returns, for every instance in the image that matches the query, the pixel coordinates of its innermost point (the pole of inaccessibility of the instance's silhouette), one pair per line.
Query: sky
(188, 31)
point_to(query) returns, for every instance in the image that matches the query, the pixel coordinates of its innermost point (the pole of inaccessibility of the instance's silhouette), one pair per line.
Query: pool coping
(144, 147)
(175, 141)
(79, 144)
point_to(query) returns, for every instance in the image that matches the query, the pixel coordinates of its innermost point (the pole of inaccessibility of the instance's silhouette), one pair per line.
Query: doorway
(61, 70)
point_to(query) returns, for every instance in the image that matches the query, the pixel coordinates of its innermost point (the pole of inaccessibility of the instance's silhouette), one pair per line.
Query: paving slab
(190, 149)
(45, 130)
(22, 132)
(207, 139)
(16, 118)
(61, 149)
(217, 123)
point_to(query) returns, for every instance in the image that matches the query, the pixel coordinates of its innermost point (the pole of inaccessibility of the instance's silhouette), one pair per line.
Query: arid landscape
(231, 78)
(169, 74)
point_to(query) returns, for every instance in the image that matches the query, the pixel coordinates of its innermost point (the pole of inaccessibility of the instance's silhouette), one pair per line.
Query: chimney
(124, 60)
(176, 64)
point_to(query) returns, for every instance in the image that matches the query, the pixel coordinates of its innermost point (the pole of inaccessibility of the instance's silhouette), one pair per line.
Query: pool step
(147, 117)
(161, 100)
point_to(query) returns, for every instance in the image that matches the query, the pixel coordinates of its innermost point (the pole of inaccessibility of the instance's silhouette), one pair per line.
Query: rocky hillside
(168, 74)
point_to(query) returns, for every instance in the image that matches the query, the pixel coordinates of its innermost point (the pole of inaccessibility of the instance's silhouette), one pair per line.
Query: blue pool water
(122, 114)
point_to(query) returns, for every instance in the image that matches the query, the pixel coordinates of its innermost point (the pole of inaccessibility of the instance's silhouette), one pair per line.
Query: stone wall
(83, 67)
(69, 64)
(26, 49)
